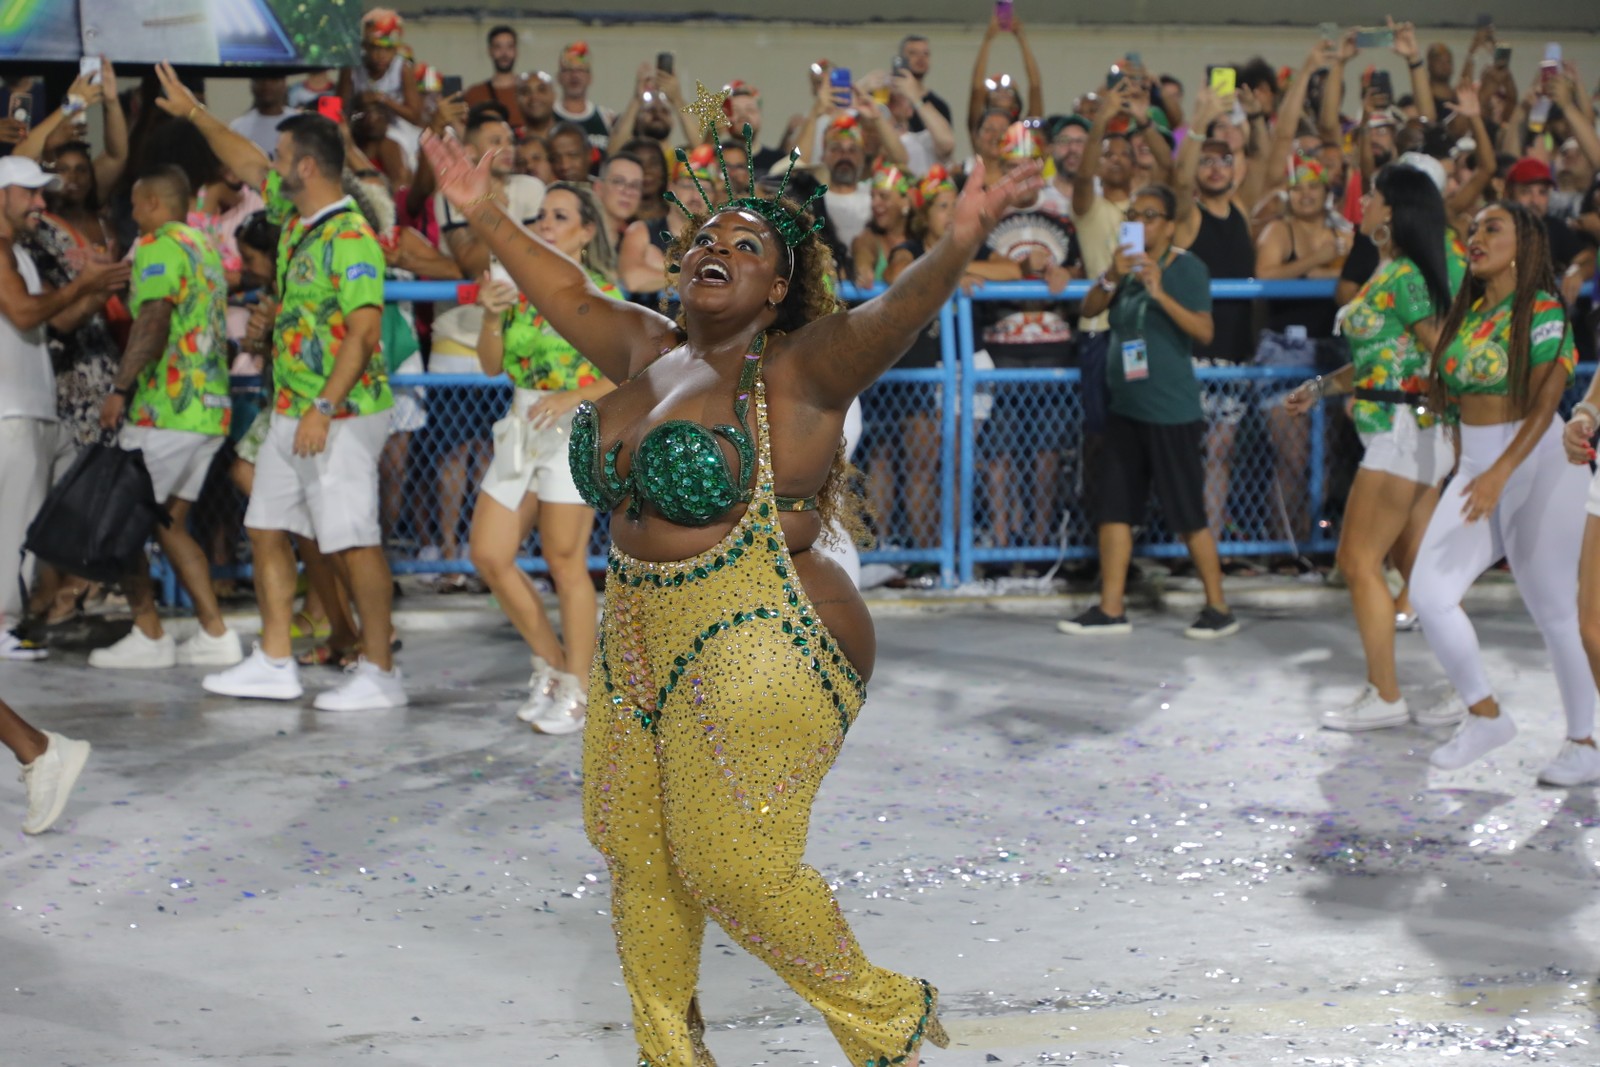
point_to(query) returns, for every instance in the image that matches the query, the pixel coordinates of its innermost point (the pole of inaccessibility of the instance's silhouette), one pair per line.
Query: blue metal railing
(960, 384)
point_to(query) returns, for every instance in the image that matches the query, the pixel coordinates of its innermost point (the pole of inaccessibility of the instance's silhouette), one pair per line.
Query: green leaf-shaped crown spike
(790, 226)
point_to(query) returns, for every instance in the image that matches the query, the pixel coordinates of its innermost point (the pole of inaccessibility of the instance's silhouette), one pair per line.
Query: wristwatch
(324, 406)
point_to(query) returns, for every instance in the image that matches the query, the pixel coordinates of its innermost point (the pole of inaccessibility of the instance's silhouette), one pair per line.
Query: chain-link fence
(963, 465)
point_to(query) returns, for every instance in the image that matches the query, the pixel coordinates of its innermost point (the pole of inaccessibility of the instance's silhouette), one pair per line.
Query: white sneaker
(15, 647)
(541, 690)
(1577, 764)
(50, 778)
(137, 652)
(203, 650)
(1446, 712)
(258, 677)
(367, 687)
(1407, 623)
(566, 709)
(1369, 711)
(1474, 739)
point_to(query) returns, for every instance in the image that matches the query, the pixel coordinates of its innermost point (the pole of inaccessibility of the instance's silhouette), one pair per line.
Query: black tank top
(1225, 247)
(1316, 315)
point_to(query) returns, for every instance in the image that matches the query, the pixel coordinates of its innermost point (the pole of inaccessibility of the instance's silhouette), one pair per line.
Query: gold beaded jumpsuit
(718, 701)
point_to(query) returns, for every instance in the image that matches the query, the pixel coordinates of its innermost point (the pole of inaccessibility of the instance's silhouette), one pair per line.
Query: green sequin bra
(679, 467)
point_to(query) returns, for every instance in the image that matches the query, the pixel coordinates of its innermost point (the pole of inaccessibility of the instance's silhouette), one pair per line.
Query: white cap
(1426, 164)
(20, 170)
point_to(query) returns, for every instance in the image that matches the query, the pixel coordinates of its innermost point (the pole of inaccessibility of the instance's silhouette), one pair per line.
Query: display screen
(326, 33)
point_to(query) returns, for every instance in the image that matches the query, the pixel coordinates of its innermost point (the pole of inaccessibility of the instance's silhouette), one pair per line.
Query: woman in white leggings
(1504, 359)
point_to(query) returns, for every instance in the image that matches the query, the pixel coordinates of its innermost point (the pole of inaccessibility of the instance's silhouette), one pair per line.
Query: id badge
(1135, 361)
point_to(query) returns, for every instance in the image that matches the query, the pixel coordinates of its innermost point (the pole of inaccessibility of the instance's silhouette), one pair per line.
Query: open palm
(462, 181)
(979, 210)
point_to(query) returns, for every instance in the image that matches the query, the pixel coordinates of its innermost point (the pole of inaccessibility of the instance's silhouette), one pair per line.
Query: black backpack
(96, 519)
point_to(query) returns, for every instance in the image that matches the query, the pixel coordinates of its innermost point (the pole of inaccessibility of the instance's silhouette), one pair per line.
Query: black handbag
(95, 521)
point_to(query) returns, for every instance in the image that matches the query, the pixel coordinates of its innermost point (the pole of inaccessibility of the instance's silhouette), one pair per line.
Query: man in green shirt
(1159, 299)
(317, 472)
(172, 386)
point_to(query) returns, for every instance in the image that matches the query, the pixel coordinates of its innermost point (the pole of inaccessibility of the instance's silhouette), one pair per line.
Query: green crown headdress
(790, 226)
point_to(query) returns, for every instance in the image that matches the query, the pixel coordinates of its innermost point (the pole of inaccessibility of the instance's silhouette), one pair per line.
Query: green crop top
(679, 467)
(1476, 361)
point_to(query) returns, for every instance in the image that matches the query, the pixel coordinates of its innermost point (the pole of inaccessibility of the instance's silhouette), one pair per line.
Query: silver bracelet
(1588, 411)
(1318, 384)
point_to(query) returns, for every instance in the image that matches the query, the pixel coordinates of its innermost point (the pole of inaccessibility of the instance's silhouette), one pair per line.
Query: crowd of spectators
(1256, 171)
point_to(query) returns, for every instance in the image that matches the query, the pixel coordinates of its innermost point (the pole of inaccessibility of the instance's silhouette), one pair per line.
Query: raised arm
(894, 150)
(38, 139)
(1030, 68)
(1469, 107)
(1333, 90)
(1406, 47)
(615, 335)
(622, 129)
(1291, 111)
(933, 120)
(978, 95)
(236, 151)
(113, 157)
(1207, 109)
(1145, 129)
(1564, 91)
(1115, 101)
(1255, 151)
(854, 348)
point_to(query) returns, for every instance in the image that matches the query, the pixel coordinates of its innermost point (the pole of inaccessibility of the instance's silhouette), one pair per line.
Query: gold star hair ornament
(708, 109)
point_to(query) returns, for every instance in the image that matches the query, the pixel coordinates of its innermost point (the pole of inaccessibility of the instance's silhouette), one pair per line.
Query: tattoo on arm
(147, 340)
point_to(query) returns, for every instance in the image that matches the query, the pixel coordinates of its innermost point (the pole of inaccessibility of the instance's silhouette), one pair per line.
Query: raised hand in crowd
(236, 151)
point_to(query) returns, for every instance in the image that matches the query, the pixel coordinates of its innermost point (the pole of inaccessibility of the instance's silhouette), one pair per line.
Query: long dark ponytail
(1417, 226)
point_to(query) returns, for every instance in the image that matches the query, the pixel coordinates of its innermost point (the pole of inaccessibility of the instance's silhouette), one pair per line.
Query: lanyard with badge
(1135, 353)
(300, 242)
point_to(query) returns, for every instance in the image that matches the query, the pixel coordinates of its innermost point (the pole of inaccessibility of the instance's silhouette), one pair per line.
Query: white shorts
(1418, 455)
(332, 496)
(527, 460)
(178, 460)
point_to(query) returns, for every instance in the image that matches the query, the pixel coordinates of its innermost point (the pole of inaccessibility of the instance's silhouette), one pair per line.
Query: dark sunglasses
(1148, 216)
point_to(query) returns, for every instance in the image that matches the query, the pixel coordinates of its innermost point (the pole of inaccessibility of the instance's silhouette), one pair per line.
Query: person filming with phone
(1159, 301)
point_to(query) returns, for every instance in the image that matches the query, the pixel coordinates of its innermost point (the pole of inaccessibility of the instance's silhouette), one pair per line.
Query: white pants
(33, 454)
(1538, 528)
(178, 460)
(332, 496)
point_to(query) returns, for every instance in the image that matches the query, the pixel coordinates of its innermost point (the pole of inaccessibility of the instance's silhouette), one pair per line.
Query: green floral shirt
(326, 271)
(1384, 351)
(1477, 361)
(187, 388)
(536, 357)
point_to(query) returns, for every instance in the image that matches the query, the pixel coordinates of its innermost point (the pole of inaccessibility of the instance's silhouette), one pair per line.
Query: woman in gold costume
(732, 657)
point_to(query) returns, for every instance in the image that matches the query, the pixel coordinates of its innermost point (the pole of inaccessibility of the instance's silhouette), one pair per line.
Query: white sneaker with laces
(1444, 712)
(136, 652)
(1369, 711)
(50, 778)
(541, 690)
(203, 650)
(367, 687)
(1576, 764)
(258, 677)
(567, 709)
(1474, 739)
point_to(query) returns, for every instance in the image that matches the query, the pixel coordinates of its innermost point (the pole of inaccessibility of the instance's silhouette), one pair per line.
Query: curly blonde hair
(812, 295)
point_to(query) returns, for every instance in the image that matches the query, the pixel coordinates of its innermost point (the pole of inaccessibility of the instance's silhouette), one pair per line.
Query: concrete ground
(1133, 851)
